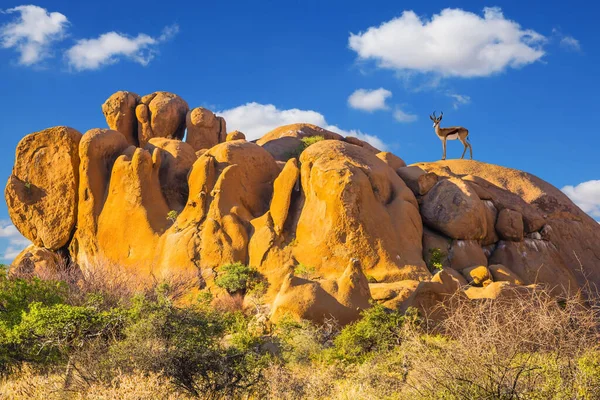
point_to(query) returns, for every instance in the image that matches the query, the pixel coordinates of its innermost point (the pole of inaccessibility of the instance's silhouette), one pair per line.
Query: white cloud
(586, 195)
(453, 43)
(459, 99)
(111, 47)
(16, 241)
(256, 119)
(369, 100)
(32, 32)
(569, 42)
(403, 116)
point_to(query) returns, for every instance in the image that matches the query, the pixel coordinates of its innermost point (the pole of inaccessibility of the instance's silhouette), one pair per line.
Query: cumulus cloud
(32, 32)
(569, 42)
(255, 119)
(403, 116)
(369, 100)
(458, 99)
(111, 47)
(586, 195)
(452, 43)
(14, 240)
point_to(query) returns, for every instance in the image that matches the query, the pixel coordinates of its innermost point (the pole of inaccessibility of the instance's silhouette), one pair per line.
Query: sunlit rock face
(151, 199)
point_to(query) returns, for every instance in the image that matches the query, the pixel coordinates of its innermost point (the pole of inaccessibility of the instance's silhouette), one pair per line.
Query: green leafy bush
(304, 271)
(172, 215)
(237, 277)
(378, 330)
(306, 142)
(436, 259)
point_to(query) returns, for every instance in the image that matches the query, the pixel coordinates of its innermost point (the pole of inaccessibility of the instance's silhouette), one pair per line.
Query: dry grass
(136, 386)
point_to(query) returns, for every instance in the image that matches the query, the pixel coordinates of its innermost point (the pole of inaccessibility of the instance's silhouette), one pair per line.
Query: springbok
(453, 133)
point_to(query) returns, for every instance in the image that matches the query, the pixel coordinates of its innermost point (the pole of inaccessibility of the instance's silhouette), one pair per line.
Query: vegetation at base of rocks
(87, 339)
(371, 279)
(304, 271)
(436, 259)
(172, 215)
(240, 278)
(306, 142)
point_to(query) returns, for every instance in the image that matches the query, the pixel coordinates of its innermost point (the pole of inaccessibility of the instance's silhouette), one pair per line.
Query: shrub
(185, 344)
(379, 329)
(172, 215)
(238, 277)
(306, 142)
(304, 271)
(436, 259)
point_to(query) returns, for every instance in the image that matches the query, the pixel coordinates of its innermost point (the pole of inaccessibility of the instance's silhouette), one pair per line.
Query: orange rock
(36, 261)
(454, 274)
(391, 159)
(135, 212)
(452, 208)
(491, 215)
(502, 273)
(466, 253)
(98, 150)
(161, 114)
(357, 142)
(235, 135)
(177, 160)
(362, 210)
(204, 129)
(419, 181)
(298, 131)
(536, 261)
(341, 298)
(477, 275)
(119, 111)
(393, 294)
(41, 193)
(510, 225)
(284, 148)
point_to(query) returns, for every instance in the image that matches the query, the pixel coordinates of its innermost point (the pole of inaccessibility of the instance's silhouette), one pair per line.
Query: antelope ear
(431, 118)
(440, 118)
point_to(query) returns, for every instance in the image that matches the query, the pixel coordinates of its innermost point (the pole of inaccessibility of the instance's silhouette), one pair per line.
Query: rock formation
(368, 226)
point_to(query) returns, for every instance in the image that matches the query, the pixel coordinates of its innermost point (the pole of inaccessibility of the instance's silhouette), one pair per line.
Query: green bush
(378, 330)
(17, 294)
(237, 277)
(436, 259)
(304, 271)
(186, 345)
(306, 142)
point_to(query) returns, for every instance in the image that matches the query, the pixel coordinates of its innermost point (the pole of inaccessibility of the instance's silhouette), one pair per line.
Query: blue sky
(521, 76)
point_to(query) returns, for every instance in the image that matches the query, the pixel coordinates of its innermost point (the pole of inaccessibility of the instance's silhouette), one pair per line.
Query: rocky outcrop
(161, 114)
(204, 129)
(369, 227)
(41, 194)
(119, 111)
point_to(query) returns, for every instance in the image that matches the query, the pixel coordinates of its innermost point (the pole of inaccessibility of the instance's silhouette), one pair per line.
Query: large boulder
(37, 261)
(135, 213)
(453, 208)
(510, 225)
(298, 131)
(536, 262)
(119, 112)
(204, 129)
(98, 150)
(545, 210)
(177, 160)
(342, 298)
(41, 193)
(363, 210)
(161, 114)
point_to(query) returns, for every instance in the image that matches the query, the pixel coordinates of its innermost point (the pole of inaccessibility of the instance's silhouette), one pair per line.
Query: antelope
(452, 133)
